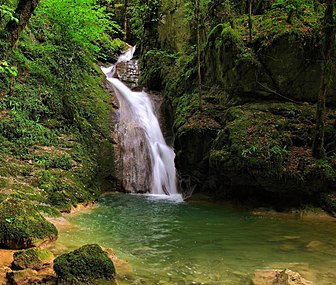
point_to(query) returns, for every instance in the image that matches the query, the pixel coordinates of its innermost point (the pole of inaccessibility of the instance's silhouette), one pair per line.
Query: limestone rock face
(278, 277)
(22, 226)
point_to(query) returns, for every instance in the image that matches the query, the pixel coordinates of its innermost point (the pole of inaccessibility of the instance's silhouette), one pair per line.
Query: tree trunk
(290, 16)
(250, 19)
(23, 12)
(125, 20)
(327, 52)
(198, 47)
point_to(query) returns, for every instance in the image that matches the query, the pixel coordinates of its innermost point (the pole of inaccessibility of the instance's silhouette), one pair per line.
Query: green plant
(83, 23)
(7, 14)
(7, 70)
(249, 151)
(292, 6)
(327, 169)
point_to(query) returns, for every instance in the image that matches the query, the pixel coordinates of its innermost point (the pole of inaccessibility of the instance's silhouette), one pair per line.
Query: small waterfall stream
(147, 162)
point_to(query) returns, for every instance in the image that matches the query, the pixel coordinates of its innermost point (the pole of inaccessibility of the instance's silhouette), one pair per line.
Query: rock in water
(22, 226)
(278, 277)
(85, 265)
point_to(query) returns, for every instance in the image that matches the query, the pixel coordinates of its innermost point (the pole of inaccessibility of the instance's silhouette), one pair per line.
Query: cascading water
(147, 161)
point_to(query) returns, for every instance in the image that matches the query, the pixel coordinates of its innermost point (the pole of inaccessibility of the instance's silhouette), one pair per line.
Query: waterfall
(147, 161)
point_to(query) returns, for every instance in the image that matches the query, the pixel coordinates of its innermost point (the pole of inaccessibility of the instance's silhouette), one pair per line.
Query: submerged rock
(22, 226)
(278, 277)
(85, 265)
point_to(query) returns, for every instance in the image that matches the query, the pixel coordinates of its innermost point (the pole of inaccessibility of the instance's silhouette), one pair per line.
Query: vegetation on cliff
(55, 113)
(259, 82)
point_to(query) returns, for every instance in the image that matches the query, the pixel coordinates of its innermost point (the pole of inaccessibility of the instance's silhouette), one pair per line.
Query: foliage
(7, 70)
(144, 13)
(83, 23)
(56, 111)
(291, 6)
(326, 168)
(7, 14)
(158, 63)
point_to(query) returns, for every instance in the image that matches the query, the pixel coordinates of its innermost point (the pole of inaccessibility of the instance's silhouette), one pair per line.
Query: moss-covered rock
(85, 265)
(273, 65)
(267, 146)
(33, 258)
(22, 226)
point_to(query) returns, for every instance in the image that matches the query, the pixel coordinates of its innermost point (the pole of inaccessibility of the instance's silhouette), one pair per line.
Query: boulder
(33, 258)
(85, 265)
(278, 277)
(20, 276)
(29, 276)
(22, 226)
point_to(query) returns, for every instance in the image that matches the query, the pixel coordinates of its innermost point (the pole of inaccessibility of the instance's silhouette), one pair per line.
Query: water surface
(165, 242)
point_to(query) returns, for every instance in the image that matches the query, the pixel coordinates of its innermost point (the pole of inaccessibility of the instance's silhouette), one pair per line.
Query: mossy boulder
(33, 258)
(22, 226)
(267, 146)
(279, 62)
(85, 265)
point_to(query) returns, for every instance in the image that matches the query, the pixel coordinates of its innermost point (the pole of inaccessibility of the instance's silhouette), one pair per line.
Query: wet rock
(3, 273)
(33, 258)
(29, 277)
(85, 265)
(314, 244)
(22, 226)
(21, 276)
(278, 277)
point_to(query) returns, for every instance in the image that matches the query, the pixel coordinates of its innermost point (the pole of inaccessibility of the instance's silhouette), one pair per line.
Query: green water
(164, 242)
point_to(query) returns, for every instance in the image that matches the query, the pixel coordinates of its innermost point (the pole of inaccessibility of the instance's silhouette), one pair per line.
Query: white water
(148, 162)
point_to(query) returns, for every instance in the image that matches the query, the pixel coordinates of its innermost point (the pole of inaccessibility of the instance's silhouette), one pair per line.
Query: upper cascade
(147, 161)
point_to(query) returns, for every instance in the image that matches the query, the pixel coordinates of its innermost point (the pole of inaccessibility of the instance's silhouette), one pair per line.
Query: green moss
(33, 258)
(85, 265)
(271, 140)
(64, 189)
(22, 226)
(48, 211)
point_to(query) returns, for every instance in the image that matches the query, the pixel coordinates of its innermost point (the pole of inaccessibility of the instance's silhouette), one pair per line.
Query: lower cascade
(147, 162)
